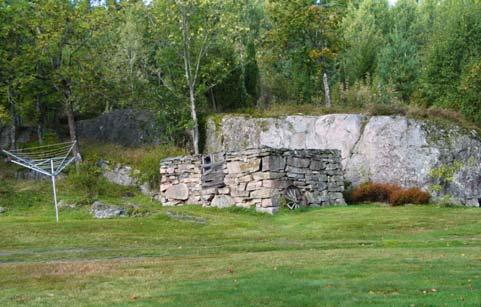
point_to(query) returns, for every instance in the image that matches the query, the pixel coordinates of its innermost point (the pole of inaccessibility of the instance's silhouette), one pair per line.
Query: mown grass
(358, 255)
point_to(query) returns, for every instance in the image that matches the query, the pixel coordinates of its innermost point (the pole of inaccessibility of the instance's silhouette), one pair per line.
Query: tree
(187, 32)
(364, 28)
(64, 31)
(16, 40)
(300, 46)
(398, 61)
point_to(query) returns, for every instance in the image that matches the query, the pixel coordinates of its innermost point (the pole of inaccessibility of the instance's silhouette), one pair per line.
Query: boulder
(104, 211)
(2, 210)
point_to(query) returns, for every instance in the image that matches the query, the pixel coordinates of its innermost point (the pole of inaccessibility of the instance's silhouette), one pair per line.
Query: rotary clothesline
(49, 160)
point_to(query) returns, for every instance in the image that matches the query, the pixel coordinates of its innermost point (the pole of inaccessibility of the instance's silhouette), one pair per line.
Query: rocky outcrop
(124, 127)
(441, 158)
(103, 211)
(126, 176)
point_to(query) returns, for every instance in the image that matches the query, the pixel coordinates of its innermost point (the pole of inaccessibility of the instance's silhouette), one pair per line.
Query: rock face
(102, 211)
(125, 175)
(124, 127)
(120, 174)
(443, 159)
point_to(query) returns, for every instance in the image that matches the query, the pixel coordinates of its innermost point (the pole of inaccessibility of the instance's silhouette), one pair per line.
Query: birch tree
(188, 32)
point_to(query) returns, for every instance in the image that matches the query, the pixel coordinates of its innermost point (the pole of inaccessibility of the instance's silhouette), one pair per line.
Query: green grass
(349, 256)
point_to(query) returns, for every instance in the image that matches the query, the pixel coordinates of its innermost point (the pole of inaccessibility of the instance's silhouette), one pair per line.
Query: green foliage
(4, 118)
(455, 42)
(363, 29)
(470, 91)
(296, 50)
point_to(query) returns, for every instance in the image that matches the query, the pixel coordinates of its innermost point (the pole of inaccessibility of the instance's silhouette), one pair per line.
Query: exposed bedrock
(442, 158)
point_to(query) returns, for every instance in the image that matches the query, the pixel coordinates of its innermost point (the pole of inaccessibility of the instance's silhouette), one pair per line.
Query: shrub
(373, 192)
(388, 193)
(409, 196)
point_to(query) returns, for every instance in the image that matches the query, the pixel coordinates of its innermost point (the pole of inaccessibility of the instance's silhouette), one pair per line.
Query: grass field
(349, 256)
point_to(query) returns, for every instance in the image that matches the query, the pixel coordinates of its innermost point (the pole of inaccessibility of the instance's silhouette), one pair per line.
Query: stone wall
(254, 177)
(388, 149)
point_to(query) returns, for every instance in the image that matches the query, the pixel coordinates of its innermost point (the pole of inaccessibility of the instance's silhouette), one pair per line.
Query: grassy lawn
(358, 255)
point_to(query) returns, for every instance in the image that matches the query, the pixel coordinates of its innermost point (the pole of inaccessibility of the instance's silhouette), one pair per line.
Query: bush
(373, 192)
(388, 193)
(409, 196)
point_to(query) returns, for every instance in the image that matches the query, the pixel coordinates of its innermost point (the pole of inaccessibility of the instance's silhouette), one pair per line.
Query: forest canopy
(61, 60)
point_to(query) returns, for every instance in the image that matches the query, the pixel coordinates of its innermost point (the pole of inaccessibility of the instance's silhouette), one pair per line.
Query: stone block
(250, 166)
(274, 201)
(237, 193)
(273, 163)
(233, 167)
(298, 162)
(253, 185)
(222, 201)
(224, 190)
(177, 192)
(317, 165)
(297, 170)
(316, 198)
(262, 193)
(164, 187)
(246, 178)
(276, 184)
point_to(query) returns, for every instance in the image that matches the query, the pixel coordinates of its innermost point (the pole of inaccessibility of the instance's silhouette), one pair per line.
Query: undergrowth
(146, 159)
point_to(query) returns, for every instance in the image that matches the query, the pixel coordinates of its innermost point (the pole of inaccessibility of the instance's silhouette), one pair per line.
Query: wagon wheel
(293, 197)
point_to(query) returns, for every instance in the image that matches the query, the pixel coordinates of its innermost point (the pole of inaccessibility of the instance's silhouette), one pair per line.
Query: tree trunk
(195, 129)
(212, 98)
(13, 114)
(72, 126)
(40, 122)
(327, 91)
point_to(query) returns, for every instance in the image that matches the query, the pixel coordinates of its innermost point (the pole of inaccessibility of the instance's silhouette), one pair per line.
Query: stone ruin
(266, 178)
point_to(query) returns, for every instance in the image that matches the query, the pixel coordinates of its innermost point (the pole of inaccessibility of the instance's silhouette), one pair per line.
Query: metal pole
(54, 189)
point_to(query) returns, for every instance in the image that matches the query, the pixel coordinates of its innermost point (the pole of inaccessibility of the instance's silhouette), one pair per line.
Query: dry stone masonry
(253, 177)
